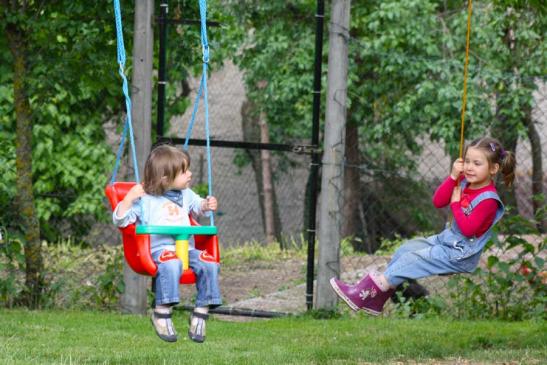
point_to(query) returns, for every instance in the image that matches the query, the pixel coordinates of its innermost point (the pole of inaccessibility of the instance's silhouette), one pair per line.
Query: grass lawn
(56, 337)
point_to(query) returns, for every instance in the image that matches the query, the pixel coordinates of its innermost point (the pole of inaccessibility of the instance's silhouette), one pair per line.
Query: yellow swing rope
(465, 73)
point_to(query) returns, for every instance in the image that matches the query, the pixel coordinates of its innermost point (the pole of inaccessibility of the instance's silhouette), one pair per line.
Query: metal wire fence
(392, 203)
(395, 206)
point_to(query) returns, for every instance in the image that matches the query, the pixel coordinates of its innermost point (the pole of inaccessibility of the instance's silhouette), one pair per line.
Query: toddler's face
(182, 180)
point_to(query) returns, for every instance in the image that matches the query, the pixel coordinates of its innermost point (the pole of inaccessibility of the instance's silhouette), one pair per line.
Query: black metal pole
(243, 312)
(303, 149)
(162, 20)
(316, 155)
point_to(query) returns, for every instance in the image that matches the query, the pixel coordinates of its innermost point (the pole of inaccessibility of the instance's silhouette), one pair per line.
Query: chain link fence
(388, 207)
(382, 206)
(394, 206)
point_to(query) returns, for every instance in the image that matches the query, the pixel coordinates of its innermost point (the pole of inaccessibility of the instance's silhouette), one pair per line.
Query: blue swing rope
(128, 125)
(203, 90)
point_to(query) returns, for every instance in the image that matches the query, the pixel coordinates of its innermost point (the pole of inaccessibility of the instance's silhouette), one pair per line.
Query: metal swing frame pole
(316, 154)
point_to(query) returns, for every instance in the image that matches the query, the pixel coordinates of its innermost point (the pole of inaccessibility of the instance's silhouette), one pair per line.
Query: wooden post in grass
(134, 297)
(332, 179)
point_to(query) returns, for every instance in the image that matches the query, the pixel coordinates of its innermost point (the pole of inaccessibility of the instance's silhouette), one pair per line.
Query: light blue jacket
(160, 211)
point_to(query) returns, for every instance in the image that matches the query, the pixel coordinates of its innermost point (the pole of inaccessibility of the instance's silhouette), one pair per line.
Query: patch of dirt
(251, 286)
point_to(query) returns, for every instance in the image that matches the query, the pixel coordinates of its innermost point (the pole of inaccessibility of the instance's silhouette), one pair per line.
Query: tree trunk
(134, 297)
(504, 128)
(25, 197)
(538, 200)
(332, 181)
(252, 133)
(265, 157)
(351, 217)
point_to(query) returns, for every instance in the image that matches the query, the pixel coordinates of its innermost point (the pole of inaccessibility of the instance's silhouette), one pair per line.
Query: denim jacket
(465, 251)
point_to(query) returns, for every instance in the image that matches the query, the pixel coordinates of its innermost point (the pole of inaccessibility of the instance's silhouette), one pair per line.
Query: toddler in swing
(476, 207)
(165, 198)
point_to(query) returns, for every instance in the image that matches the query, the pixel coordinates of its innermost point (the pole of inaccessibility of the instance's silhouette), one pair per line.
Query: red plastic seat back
(136, 248)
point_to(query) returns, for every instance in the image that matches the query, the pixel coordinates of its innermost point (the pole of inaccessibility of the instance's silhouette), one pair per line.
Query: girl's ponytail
(507, 167)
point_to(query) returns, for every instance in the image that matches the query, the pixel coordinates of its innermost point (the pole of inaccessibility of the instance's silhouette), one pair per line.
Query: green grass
(72, 337)
(251, 252)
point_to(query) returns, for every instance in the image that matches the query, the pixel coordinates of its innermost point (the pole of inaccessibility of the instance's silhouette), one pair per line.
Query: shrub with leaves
(12, 262)
(513, 284)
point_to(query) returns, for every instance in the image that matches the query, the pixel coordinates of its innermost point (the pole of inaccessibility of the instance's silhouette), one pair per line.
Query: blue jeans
(170, 270)
(421, 257)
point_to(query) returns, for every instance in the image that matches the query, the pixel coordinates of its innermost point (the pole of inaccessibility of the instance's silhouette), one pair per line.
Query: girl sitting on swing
(165, 199)
(476, 207)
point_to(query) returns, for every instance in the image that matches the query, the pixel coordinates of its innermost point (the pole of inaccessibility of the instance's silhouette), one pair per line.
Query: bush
(513, 284)
(74, 276)
(12, 264)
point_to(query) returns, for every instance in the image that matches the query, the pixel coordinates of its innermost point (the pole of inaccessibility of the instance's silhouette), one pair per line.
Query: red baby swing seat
(136, 247)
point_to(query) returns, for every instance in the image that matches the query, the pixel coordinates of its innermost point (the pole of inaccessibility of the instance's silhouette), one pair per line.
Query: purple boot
(365, 295)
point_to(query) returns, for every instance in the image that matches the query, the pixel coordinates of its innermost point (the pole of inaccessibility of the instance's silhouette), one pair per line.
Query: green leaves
(73, 90)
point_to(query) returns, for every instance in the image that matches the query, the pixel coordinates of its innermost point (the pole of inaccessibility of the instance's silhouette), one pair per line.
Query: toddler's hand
(134, 193)
(210, 203)
(457, 169)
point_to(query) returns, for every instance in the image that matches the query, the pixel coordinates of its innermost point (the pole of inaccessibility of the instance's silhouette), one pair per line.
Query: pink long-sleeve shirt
(480, 219)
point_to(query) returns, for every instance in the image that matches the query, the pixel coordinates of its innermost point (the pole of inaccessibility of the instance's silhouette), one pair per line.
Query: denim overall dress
(444, 253)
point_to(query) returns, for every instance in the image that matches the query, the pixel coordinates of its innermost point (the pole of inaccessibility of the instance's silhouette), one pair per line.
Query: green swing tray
(180, 232)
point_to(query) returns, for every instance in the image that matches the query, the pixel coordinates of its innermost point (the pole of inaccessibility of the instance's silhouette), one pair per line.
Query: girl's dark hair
(164, 163)
(496, 154)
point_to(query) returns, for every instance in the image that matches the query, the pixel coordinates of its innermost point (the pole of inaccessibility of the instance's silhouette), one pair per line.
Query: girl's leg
(372, 291)
(428, 261)
(408, 246)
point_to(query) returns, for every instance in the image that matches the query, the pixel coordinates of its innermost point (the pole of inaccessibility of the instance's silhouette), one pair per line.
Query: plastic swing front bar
(182, 235)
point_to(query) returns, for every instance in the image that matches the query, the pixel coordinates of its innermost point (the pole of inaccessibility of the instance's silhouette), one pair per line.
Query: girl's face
(182, 180)
(476, 168)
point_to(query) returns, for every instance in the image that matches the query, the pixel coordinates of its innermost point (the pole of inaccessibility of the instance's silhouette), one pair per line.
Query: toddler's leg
(196, 332)
(207, 272)
(167, 294)
(167, 278)
(208, 296)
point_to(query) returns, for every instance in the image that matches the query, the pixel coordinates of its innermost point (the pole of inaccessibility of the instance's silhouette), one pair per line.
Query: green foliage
(88, 277)
(431, 307)
(405, 70)
(74, 276)
(510, 288)
(255, 252)
(201, 189)
(73, 90)
(406, 76)
(273, 43)
(12, 262)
